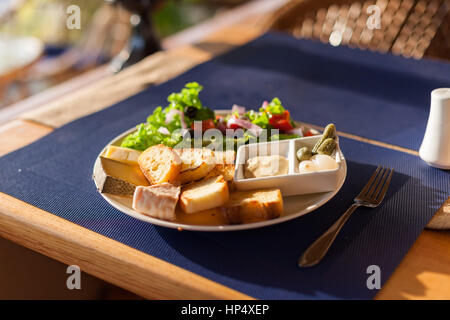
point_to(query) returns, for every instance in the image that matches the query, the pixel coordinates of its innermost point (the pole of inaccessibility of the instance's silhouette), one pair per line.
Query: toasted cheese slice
(124, 155)
(118, 178)
(195, 174)
(204, 194)
(253, 206)
(157, 201)
(196, 163)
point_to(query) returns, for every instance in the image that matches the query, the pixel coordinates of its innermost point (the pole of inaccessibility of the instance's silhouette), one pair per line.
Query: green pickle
(304, 154)
(328, 133)
(327, 147)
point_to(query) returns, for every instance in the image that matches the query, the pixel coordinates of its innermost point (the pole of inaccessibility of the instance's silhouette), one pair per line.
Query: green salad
(175, 124)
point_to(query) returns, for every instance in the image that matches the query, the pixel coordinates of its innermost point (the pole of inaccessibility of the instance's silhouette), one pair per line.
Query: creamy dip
(266, 166)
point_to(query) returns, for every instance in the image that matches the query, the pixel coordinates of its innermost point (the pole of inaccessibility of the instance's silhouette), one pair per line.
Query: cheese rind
(157, 201)
(124, 155)
(117, 178)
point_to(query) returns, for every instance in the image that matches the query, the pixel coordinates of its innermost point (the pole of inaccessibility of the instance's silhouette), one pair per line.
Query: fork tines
(375, 189)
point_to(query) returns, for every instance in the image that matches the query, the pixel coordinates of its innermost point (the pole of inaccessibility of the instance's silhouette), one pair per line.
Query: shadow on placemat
(267, 257)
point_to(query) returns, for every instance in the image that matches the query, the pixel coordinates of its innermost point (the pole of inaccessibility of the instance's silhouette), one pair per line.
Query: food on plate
(307, 166)
(266, 166)
(225, 170)
(225, 157)
(118, 178)
(196, 163)
(192, 158)
(170, 167)
(304, 154)
(205, 194)
(225, 166)
(324, 162)
(253, 206)
(320, 157)
(157, 201)
(183, 109)
(327, 147)
(195, 174)
(160, 164)
(168, 125)
(318, 162)
(329, 132)
(125, 155)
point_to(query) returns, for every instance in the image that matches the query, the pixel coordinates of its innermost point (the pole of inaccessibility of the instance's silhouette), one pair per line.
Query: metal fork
(370, 196)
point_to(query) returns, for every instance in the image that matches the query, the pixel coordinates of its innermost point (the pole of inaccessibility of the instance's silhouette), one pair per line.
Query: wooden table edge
(105, 258)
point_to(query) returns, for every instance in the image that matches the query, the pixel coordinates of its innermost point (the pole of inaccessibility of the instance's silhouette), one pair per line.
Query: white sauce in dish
(266, 166)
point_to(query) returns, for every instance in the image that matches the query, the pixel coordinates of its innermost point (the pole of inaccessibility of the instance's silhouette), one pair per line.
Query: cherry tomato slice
(281, 121)
(231, 124)
(206, 124)
(284, 125)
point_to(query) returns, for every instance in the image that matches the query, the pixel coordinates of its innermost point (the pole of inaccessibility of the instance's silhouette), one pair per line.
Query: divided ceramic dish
(292, 183)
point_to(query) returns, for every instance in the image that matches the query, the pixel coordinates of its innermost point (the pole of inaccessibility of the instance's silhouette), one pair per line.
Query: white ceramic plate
(294, 206)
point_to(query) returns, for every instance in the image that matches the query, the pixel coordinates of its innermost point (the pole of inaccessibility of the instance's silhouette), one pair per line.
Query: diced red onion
(311, 131)
(253, 128)
(264, 104)
(298, 131)
(163, 130)
(170, 115)
(222, 126)
(240, 110)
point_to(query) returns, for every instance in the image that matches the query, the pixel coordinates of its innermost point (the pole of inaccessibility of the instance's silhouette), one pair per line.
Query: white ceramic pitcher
(435, 148)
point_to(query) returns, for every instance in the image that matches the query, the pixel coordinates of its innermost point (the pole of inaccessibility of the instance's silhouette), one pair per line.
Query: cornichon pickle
(303, 154)
(329, 132)
(327, 147)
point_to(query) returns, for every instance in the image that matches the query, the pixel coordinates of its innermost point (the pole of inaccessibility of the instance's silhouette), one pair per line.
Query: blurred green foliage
(45, 19)
(178, 15)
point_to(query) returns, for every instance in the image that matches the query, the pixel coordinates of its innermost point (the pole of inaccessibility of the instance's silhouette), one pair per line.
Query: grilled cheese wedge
(125, 155)
(196, 163)
(204, 194)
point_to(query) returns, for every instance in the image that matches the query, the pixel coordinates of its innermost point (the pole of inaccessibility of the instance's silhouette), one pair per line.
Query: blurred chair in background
(406, 27)
(143, 40)
(106, 34)
(120, 31)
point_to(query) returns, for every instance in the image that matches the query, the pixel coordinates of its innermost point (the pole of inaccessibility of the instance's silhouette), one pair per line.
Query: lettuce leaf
(148, 134)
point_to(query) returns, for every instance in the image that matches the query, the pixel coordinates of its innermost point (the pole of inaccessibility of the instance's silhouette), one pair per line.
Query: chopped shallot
(240, 110)
(172, 113)
(163, 130)
(253, 128)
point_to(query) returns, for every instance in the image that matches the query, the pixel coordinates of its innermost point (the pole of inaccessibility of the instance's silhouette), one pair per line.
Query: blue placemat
(55, 174)
(363, 93)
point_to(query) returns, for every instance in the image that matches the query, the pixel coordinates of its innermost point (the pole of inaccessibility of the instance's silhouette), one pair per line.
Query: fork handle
(317, 250)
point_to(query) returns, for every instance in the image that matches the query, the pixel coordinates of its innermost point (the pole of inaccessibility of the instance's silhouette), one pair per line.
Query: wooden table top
(424, 273)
